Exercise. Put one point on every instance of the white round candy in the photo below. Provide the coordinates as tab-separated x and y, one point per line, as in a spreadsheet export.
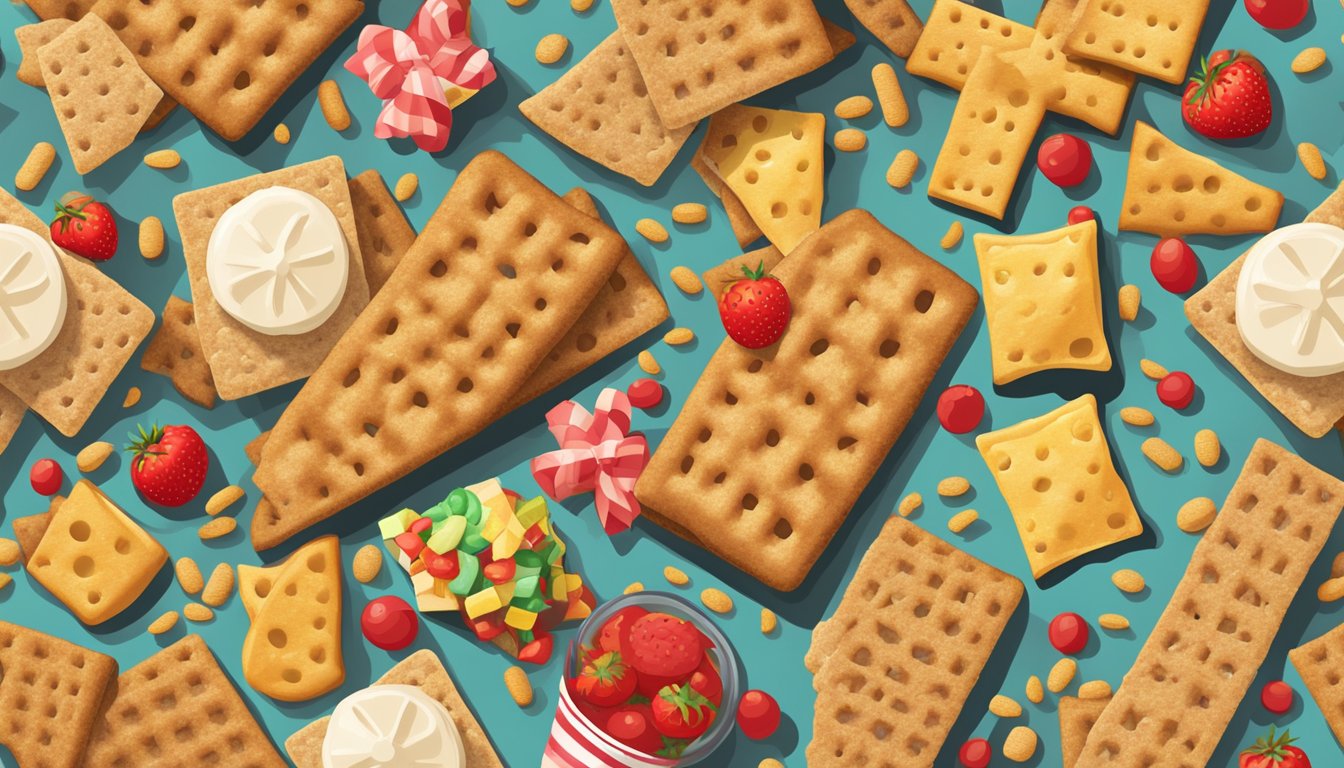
392	726
32	296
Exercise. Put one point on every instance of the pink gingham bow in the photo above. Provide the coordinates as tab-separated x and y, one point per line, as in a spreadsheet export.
597	453
404	70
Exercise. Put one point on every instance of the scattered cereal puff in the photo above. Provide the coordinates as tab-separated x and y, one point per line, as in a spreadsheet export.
1137	417
651	230
686	280
9	552
716	600
953	486
220	586
520	688
895	110
768	621
903	168
770	762
1020	744
1094	689
962	520
1061	674
678	336
164	623
909	504
1161	453
151	237
406	187
93	455
189	575
1208	448
1128	580
1196	514
850	140
1113	621
648	364
1309	60
223	499
953	236
689	213
281	133
580	6
517	3
551	48
368	563
132	397
163	159
217	528
635	586
1337	566
1330	590
332	101
197	612
35	168
854	107
1005	706
1129	302
676	576
1310	155
1152	370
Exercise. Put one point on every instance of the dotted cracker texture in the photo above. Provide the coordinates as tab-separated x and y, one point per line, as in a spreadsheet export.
895	664
1149	37
60	9
1319	664
1076	718
175	351
955	35
873	319
384	233
893	22
1192	672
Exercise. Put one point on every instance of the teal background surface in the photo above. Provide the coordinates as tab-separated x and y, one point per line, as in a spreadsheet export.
1307	109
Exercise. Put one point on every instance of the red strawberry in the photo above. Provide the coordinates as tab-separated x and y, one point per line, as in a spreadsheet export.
662	645
1273	752
169	465
755	310
1229	98
85	227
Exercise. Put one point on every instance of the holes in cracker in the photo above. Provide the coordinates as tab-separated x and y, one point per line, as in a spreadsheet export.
242	81
818	347
749	501
782	529
508	271
889	348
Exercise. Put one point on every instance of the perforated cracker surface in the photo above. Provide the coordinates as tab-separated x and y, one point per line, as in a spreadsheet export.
1095	93
501	272
893	22
699	56
744	228
175	351
1171	191
60	9
813	416
1150	37
227	61
1043	301
178	708
384	233
953	38
1205	650
905	647
1076	718
31	37
1320	664
50	693
601	109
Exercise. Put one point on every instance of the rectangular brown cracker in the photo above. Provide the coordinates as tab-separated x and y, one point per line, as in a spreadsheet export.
103	326
228	62
744	227
860	296
422	670
893	22
601	109
953	38
1320	663
179	708
1313	404
50	694
31	37
245	361
696	63
503	269
1150	37
894	665
1205	650
175	351
384	233
1076	718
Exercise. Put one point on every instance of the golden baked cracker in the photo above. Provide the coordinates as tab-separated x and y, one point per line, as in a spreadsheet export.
1043	301
1171	191
718	279
744	228
1095	93
31	37
93	557
292	651
423	670
953	38
245	361
176	708
695	63
228	63
602	110
1056	473
1151	37
30	529
841	39
916	625
1312	404
50	694
175	351
1318	664
384	233
1076	718
873	319
72	10
772	160
1205	650
254	447
893	22
994	123
101	97
503	269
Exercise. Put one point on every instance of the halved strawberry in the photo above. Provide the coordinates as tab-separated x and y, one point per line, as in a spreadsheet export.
663	646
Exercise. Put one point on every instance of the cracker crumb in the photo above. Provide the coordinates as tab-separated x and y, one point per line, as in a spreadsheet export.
679	336
850	140
406	187
1094	689
93	455
368	563
854	107
675	575
910	503
1004	706
1152	370
332	102
551	48
686	280
952	238
649	364
769	621
1129	302
519	687
1161	453
1128	580
1113	621
962	520
1311	158
1061	674
281	133
953	486
689	213
1137	417
651	230
163	159
151	237
1309	60
716	600
164	623
35	168
903	168
1020	744
1208	448
895	110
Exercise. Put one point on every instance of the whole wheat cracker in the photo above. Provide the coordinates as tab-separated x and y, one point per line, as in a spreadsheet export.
954	36
30	529
1312	404
245	361
697	59
175	351
228	62
384	233
72	10
718	278
893	22
50	694
841	39
103	326
31	37
1150	37
1193	670
1076	718
744	227
601	109
894	665
873	318
178	708
1318	664
393	383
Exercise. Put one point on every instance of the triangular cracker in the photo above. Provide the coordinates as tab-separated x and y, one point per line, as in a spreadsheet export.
744	229
31	38
893	22
175	352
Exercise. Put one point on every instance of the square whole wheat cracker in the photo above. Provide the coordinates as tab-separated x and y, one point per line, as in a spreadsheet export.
50	694
1312	403
1320	663
954	36
1149	37
719	278
813	415
929	615
245	361
422	670
228	62
31	37
698	57
179	708
101	96
601	109
744	227
1193	670
103	326
1171	191
1076	718
72	10
893	22
175	351
384	233
496	279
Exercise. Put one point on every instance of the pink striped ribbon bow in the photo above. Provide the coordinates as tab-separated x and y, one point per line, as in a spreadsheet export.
597	453
404	70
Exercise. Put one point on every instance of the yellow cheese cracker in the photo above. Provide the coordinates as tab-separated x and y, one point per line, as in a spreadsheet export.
1171	191
1043	301
1056	473
1150	37
292	651
953	38
93	558
772	160
1089	91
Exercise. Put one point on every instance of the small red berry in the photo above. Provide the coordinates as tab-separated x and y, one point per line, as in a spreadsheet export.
1174	264
644	393
960	408
758	715
975	753
1176	389
1080	213
46	477
1277	14
1068	633
1065	159
1277	696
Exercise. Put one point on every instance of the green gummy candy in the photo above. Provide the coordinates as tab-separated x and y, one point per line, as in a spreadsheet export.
468	575
457	501
448	535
